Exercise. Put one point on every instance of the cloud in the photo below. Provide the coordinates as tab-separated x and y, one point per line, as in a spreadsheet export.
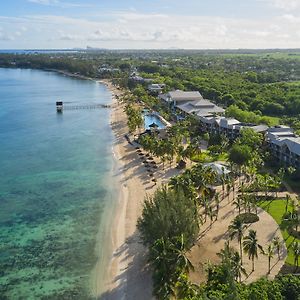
59	3
70	37
131	29
44	2
287	5
4	37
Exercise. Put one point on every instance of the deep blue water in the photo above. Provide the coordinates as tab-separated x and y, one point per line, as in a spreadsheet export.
55	184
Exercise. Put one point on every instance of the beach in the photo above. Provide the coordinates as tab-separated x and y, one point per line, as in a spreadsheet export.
127	276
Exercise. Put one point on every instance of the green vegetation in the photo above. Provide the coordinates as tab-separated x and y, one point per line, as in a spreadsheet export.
134	118
250	117
248	218
257	86
277	209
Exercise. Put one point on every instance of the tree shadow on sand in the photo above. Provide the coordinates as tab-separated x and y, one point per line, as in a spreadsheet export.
134	280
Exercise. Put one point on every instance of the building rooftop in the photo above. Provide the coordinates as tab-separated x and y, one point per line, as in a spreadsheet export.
292	143
179	95
218	168
202	107
226	122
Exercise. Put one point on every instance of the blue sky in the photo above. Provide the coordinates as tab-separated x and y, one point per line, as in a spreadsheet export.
194	24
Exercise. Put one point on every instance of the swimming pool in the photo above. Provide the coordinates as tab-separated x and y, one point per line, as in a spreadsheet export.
152	118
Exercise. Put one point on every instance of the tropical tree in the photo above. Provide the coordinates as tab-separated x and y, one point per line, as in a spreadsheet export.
251	246
236	230
164	209
287	201
277	245
238	203
231	264
296	253
217	202
269	252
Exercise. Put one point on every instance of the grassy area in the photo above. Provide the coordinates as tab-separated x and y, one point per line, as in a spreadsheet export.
272	121
276	208
221	157
202	157
206	157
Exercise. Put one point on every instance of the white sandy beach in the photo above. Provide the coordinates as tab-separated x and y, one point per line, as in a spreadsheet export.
127	276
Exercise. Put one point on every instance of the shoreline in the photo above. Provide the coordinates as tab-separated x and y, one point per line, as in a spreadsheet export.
127	276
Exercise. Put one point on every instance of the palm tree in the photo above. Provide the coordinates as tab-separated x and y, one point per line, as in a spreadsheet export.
270	254
277	245
238	204
228	188
250	246
217	201
211	213
236	230
239	270
182	261
287	201
205	205
296	252
231	262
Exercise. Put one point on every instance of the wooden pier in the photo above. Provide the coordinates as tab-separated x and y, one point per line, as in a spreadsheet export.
60	106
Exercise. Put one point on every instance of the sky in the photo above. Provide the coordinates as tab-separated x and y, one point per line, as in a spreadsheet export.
149	24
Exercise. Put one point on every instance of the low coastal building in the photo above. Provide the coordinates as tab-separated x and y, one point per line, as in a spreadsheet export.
228	126
284	145
178	97
283	142
200	108
156	88
190	103
135	77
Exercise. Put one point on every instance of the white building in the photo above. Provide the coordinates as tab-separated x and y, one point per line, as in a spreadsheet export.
285	145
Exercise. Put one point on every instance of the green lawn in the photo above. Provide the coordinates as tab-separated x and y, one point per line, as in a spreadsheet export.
276	208
202	157
206	157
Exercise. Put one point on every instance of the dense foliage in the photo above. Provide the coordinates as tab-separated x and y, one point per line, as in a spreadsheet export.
255	86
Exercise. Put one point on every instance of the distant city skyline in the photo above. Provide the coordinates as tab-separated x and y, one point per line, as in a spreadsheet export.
141	24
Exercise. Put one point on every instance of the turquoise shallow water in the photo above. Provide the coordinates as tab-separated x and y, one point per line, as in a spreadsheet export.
55	184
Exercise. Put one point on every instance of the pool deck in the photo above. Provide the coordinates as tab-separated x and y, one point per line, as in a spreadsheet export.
163	120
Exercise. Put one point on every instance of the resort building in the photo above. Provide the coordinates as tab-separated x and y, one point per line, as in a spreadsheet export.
190	103
135	77
178	97
227	126
283	142
156	88
200	108
284	145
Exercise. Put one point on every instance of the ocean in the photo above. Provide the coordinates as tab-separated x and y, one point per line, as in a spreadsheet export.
56	185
